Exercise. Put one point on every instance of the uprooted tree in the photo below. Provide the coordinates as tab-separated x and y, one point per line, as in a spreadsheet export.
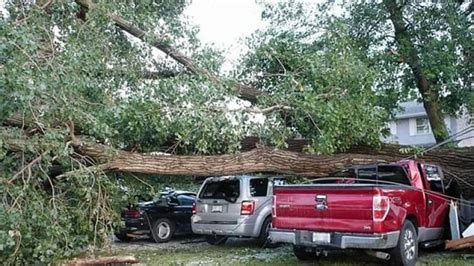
84	98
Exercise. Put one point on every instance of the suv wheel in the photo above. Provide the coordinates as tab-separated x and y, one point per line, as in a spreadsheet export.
216	240
406	251
162	230
262	240
302	253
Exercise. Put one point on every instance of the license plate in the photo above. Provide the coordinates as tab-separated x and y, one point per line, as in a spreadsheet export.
216	208
321	238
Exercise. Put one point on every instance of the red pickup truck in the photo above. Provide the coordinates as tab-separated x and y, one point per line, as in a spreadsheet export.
387	209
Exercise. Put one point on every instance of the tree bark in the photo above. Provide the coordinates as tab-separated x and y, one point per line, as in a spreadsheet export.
457	162
114	260
243	91
429	94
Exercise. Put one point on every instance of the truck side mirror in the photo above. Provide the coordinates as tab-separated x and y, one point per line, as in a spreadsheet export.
435	177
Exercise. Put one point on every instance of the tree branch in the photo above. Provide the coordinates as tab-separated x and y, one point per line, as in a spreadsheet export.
244	92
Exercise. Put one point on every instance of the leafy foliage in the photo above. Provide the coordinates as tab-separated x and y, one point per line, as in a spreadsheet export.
319	74
442	34
61	67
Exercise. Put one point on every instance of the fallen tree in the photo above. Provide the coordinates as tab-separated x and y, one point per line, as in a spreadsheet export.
457	162
62	187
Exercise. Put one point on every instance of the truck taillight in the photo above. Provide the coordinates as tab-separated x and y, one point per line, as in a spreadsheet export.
194	208
380	207
247	207
274	214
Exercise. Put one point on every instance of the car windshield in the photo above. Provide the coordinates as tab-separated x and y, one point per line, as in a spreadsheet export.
228	190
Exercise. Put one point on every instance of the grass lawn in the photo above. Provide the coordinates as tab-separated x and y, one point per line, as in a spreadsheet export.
244	252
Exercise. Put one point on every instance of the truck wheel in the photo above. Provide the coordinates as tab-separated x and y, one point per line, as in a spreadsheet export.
262	240
162	230
302	254
216	240
406	251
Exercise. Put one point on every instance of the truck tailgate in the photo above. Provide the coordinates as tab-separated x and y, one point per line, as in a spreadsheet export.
324	208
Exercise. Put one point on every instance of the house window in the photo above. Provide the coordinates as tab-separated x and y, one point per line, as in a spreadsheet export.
422	126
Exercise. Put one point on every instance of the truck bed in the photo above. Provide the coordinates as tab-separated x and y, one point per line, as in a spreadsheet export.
328	207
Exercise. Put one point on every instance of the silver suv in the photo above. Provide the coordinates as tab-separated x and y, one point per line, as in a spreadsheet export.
239	206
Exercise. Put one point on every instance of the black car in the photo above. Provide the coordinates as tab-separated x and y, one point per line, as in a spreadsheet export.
167	215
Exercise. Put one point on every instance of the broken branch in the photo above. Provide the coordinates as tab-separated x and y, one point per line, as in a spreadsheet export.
245	92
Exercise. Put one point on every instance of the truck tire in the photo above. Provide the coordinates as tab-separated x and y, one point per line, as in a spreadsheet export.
302	254
162	230
216	240
262	239
406	251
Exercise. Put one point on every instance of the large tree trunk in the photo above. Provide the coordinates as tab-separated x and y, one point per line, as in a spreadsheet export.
425	86
458	162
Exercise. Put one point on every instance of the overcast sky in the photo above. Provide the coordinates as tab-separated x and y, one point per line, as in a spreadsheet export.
226	23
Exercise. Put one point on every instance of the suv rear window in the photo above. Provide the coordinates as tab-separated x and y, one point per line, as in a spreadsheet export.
227	189
258	187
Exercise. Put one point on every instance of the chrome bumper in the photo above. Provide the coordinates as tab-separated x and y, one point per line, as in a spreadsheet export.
336	240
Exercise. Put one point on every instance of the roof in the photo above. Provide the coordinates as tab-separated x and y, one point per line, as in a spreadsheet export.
410	109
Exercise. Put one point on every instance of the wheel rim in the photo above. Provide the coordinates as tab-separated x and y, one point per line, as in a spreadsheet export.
269	226
163	230
409	244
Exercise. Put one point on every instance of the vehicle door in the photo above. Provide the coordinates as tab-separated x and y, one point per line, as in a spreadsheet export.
183	211
259	193
436	203
176	211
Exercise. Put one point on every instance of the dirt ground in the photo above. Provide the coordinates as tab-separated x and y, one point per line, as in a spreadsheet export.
195	251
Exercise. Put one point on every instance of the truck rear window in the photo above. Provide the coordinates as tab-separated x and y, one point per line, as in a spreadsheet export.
387	173
226	189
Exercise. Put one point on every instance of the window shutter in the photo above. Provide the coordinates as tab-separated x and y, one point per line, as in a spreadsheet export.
412	126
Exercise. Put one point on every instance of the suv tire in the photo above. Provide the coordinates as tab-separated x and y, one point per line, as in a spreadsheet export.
162	230
406	251
262	239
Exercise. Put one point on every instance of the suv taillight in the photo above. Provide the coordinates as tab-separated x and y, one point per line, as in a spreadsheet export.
194	208
247	207
380	207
